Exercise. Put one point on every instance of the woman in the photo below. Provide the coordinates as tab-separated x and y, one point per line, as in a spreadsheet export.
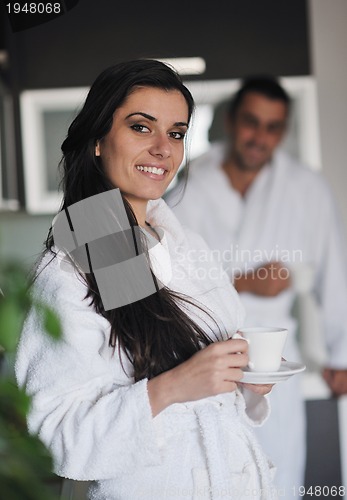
144	399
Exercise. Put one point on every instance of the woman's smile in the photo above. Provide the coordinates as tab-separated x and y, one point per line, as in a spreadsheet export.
157	173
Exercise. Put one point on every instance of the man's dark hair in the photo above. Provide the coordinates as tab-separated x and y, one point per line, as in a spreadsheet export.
266	85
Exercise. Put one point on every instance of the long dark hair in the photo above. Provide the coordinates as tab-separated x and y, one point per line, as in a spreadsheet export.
155	333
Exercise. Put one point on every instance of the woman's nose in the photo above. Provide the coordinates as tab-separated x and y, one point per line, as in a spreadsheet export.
161	146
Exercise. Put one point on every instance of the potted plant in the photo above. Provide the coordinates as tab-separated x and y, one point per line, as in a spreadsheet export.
25	463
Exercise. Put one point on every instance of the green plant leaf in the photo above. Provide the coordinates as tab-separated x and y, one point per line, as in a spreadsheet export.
11	322
50	319
14	402
25	463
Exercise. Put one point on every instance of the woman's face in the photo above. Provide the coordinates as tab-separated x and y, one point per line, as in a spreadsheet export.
145	146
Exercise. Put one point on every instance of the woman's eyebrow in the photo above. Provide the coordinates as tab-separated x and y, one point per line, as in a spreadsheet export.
181	124
153	119
145	115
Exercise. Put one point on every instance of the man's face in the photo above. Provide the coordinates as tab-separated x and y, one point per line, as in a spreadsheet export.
257	129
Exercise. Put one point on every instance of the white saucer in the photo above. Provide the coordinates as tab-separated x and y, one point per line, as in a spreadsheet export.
286	370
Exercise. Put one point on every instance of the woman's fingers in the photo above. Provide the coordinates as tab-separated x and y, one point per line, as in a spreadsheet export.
237	360
224	355
230	346
233	375
214	370
218	365
261	389
236	345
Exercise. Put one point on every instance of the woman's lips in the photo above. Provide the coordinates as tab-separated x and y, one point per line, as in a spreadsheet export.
155	173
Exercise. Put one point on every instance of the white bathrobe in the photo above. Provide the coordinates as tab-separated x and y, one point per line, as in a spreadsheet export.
97	422
288	214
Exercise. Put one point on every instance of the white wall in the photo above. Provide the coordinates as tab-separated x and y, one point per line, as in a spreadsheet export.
328	33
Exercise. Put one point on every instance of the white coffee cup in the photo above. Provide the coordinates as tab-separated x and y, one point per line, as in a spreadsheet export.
266	346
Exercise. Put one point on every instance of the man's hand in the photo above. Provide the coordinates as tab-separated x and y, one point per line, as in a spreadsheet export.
267	280
336	380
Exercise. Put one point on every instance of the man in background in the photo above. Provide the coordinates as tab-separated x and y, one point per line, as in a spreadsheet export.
273	222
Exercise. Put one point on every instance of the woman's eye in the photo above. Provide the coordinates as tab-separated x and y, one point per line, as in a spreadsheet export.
139	128
177	135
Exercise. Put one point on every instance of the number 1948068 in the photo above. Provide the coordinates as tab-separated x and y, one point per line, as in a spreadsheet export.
319	491
33	8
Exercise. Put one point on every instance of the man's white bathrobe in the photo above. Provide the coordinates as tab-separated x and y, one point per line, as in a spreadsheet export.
97	422
288	214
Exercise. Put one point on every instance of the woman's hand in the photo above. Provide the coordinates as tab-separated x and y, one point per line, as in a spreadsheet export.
260	389
214	370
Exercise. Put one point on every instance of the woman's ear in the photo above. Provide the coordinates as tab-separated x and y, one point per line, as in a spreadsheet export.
97	149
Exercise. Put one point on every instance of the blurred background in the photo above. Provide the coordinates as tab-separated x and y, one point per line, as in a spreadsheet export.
45	71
